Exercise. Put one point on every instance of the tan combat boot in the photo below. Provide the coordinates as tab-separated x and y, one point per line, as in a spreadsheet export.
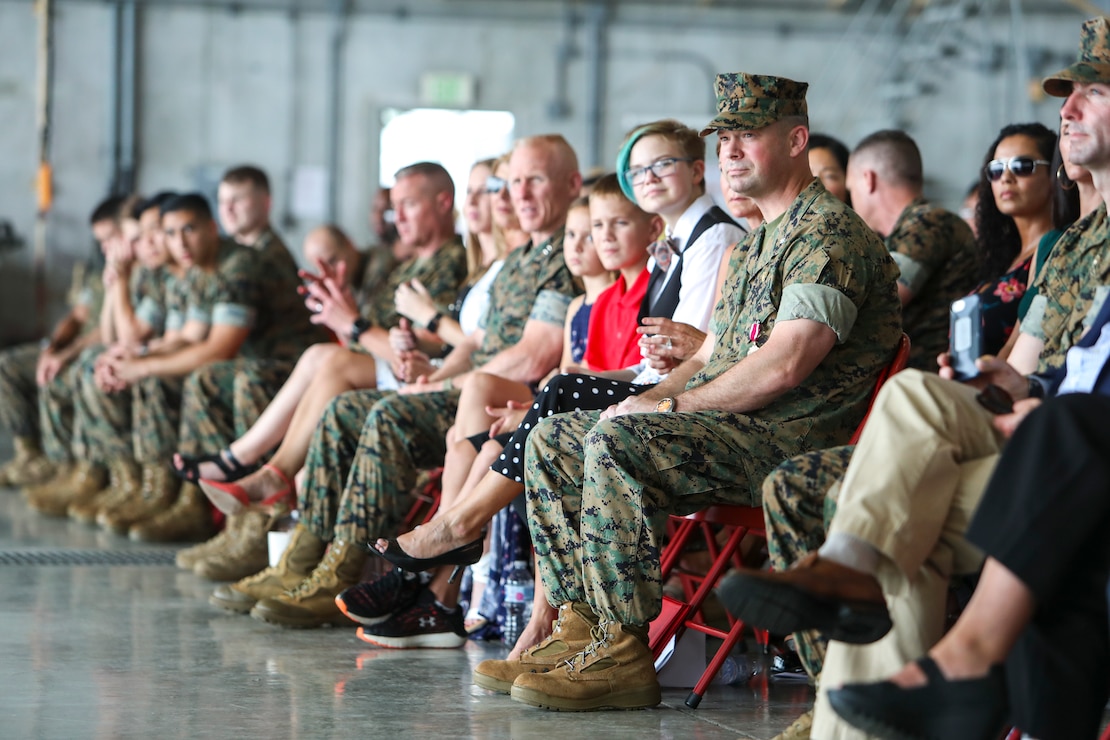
28	467
123	482
246	553
188	558
312	602
159	487
570	634
189	518
301	555
87	481
615	671
800	729
63	476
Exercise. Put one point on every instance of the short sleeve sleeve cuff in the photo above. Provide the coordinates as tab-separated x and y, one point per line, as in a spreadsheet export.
174	321
150	312
818	303
551	307
198	315
913	274
233	314
1033	323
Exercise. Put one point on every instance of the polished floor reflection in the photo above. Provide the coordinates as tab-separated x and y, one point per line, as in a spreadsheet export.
121	651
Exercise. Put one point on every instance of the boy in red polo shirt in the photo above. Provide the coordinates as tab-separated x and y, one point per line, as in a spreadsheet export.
621	233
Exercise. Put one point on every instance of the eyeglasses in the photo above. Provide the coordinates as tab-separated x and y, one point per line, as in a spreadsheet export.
660	168
495	184
1020	166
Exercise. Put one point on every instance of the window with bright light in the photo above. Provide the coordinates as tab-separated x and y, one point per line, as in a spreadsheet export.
454	138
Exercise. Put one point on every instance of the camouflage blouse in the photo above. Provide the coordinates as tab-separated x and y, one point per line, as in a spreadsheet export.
817	261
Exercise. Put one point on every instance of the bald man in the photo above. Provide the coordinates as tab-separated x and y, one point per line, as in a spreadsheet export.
367	272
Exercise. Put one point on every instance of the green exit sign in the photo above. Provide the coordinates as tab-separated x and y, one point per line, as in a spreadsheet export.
447	89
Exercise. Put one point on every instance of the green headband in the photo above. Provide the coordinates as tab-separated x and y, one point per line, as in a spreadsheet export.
623	156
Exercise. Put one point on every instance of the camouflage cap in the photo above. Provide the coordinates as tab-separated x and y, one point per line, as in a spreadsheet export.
1094	59
748	102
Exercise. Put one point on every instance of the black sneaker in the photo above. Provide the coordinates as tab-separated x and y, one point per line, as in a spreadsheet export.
787	666
371	602
424	624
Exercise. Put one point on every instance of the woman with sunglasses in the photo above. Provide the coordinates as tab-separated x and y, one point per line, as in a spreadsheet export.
1015	212
1077	199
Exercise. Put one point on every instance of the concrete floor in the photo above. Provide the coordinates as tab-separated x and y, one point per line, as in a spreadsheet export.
112	651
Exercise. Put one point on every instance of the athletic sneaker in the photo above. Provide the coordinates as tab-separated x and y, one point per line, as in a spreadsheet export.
374	601
424	624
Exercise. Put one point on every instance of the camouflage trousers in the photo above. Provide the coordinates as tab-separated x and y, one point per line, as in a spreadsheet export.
330	456
155	416
599	493
221	401
799	501
104	420
19	408
56	403
403	435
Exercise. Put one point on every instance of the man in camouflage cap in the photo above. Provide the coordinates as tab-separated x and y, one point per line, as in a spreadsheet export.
1073	282
1093	65
808	317
895	515
748	102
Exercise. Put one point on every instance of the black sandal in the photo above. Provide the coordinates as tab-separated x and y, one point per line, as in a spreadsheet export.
225	460
460	557
970	709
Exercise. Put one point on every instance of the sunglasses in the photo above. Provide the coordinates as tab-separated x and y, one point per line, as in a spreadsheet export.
1020	166
495	184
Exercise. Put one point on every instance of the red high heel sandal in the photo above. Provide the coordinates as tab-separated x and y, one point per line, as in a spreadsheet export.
231	498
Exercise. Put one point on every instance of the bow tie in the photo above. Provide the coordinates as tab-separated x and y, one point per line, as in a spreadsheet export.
662	250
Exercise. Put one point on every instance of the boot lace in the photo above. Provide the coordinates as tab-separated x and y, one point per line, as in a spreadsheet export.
324	570
599	635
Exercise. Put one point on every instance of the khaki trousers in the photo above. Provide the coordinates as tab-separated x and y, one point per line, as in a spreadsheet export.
912	485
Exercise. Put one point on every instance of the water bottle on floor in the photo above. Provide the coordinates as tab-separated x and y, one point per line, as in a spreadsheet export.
518	592
738	669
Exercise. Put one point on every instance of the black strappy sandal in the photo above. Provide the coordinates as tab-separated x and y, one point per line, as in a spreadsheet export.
225	460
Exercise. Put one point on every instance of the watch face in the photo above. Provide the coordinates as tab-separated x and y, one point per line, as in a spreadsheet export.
665	405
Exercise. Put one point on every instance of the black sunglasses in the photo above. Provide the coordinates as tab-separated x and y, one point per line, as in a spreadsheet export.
1020	166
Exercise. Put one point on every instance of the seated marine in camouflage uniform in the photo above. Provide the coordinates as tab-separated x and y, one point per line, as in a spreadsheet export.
358	316
934	249
808	317
426	200
216	305
368	446
29	368
279	331
134	284
803	497
102	419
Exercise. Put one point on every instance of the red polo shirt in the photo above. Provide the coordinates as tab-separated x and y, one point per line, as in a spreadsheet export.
612	342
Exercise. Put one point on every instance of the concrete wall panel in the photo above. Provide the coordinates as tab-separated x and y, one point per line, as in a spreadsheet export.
218	87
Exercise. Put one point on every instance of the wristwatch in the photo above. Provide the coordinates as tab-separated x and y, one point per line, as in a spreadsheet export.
665	405
1036	390
360	325
433	323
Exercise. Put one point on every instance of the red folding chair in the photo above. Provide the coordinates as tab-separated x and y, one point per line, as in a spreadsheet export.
739	521
425	502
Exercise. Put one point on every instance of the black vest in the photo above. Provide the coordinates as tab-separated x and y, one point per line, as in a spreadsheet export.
667	301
